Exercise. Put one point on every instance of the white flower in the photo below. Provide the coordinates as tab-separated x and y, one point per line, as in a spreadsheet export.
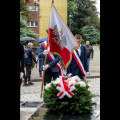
76	78
56	82
72	82
82	84
48	86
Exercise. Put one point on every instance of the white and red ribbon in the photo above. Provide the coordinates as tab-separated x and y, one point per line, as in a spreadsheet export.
65	89
51	57
77	59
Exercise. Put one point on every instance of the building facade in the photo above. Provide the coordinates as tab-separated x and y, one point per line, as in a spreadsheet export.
40	15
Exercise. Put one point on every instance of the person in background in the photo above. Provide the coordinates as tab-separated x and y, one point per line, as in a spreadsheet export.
21	62
73	69
28	57
40	62
89	50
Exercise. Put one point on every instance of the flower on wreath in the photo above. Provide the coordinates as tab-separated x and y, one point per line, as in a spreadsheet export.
48	86
57	81
82	84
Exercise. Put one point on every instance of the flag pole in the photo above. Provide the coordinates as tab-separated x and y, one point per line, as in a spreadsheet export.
45	62
52	2
44	70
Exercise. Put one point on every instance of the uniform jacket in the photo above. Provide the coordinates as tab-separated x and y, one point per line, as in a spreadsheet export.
40	58
73	67
28	56
48	61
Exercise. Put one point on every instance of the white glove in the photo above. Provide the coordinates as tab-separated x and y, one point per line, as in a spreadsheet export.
21	75
69	74
45	52
45	67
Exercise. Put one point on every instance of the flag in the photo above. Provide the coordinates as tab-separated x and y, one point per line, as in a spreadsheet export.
61	40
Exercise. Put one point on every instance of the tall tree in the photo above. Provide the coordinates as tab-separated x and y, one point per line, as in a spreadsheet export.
90	34
23	8
84	12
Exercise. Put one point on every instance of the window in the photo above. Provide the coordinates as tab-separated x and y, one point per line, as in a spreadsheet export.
28	23
32	8
36	23
32	24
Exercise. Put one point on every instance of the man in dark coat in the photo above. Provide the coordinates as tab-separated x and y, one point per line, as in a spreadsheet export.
50	69
89	50
40	63
21	62
73	69
28	57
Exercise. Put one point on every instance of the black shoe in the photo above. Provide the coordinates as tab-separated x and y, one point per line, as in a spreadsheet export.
25	84
30	83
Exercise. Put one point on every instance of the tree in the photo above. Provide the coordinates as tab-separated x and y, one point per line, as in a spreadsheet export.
90	34
84	13
24	13
23	8
26	32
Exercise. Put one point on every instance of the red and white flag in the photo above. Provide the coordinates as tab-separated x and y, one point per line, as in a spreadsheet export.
61	40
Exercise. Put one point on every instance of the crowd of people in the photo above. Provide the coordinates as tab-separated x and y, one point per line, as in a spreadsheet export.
85	54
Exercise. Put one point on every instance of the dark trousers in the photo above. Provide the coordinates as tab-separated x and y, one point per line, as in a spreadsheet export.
28	73
88	63
79	74
49	74
40	66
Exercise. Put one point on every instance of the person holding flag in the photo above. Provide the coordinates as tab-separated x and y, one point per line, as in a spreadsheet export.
51	68
62	43
78	65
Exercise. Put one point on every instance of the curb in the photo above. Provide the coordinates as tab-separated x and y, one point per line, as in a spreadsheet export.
40	79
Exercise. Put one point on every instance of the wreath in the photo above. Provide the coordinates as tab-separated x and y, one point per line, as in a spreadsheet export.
68	97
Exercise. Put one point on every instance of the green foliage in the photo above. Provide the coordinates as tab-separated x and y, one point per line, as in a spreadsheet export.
24	32
27	33
84	13
23	8
80	103
90	34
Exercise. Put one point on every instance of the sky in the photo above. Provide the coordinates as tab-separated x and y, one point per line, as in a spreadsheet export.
98	6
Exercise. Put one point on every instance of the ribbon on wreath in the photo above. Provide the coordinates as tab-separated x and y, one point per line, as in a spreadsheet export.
65	89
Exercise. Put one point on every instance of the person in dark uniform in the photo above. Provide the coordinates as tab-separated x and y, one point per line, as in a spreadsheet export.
40	63
21	62
51	71
28	57
73	69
